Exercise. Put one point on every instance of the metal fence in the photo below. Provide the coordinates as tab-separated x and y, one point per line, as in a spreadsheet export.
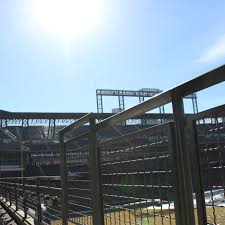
137	177
153	176
79	183
36	200
209	157
172	173
76	172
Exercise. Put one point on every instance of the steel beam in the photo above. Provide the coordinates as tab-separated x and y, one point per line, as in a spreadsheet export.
183	165
63	173
96	186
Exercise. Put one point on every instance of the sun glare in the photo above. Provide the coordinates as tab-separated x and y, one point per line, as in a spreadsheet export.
68	18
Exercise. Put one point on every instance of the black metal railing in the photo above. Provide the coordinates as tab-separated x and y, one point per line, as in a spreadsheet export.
172	173
147	177
36	200
209	154
137	177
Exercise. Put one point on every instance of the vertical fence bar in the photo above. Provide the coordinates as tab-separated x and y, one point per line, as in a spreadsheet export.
175	176
39	216
96	186
184	189
197	177
63	171
0	188
5	190
16	196
10	194
24	198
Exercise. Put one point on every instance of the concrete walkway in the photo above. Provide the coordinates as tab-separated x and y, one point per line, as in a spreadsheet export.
5	218
10	216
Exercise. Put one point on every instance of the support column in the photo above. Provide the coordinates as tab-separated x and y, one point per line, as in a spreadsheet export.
184	189
96	184
63	172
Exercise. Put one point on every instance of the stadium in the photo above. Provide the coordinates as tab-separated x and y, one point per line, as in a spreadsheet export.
30	141
112	112
135	160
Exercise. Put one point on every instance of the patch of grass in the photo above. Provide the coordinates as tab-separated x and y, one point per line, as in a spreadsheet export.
132	217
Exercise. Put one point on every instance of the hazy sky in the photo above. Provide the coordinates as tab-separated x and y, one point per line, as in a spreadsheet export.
138	44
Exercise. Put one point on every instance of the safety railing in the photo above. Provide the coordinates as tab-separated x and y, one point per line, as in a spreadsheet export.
172	173
137	177
36	200
80	176
208	153
145	177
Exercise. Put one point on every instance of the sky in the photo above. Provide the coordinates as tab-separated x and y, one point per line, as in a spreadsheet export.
136	44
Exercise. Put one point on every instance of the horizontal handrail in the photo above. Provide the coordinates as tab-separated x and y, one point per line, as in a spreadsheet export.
202	82
83	135
152	103
139	132
199	83
216	111
67	116
78	123
32	178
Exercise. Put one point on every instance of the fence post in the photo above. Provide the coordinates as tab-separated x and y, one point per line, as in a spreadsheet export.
197	177
63	171
5	190
10	194
16	196
96	186
39	217
175	177
24	199
184	189
1	189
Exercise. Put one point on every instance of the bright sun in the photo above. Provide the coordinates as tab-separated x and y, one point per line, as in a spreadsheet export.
68	18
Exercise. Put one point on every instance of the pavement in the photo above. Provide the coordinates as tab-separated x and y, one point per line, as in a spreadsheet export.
5	219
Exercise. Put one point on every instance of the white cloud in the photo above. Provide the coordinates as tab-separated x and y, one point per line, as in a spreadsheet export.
215	52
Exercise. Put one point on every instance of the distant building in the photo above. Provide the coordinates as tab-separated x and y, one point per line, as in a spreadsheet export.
116	110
